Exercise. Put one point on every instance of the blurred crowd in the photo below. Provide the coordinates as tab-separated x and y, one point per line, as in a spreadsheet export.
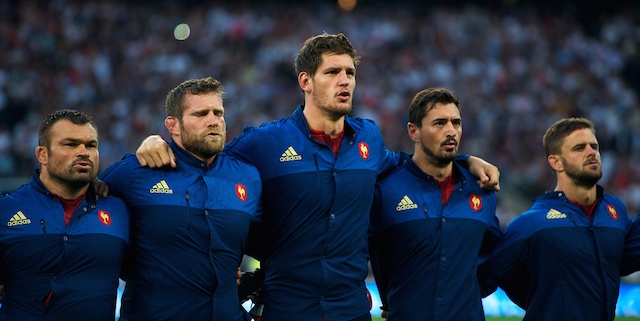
516	70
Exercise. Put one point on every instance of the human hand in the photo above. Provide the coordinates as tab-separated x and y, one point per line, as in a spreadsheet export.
154	152
384	314
488	175
102	189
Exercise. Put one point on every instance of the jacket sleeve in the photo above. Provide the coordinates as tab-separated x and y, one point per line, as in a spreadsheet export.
118	175
506	265
631	255
379	266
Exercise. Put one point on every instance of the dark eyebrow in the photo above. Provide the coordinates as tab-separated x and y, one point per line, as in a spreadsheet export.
79	141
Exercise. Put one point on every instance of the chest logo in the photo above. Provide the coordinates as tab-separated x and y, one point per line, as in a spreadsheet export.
406	204
241	192
290	155
105	217
18	219
475	202
161	188
363	149
612	212
555	214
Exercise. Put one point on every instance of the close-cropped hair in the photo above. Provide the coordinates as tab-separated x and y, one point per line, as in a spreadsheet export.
553	138
174	103
426	100
74	116
310	55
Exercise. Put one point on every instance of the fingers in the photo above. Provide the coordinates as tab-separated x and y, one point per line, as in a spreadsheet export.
154	152
489	184
102	189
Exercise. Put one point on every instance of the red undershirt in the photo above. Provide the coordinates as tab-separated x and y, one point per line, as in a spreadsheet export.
334	143
587	209
446	188
69	207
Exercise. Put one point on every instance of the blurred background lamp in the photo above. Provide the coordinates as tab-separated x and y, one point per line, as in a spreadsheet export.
182	31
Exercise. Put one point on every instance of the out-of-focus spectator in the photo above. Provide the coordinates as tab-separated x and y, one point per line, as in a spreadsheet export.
518	69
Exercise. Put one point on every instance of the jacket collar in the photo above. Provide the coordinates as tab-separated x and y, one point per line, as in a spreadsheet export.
301	122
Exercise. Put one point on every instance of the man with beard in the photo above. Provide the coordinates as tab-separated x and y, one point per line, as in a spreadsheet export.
61	247
318	170
561	259
430	221
190	223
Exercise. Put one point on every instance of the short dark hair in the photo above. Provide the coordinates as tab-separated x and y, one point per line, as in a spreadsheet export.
174	103
310	55
553	138
74	116
426	100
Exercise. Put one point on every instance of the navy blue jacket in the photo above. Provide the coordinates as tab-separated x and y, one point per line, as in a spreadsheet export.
316	215
78	264
189	231
423	254
631	257
558	265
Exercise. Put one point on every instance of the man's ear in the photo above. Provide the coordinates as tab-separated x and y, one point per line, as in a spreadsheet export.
413	131
304	81
173	125
555	161
42	155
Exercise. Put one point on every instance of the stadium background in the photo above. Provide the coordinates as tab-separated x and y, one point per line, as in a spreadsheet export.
516	65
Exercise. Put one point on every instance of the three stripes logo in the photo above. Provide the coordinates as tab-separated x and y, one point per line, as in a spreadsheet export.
290	155
18	219
555	214
406	204
161	188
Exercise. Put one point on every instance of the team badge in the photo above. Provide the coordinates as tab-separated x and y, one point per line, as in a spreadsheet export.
241	192
105	217
612	212
475	202
363	148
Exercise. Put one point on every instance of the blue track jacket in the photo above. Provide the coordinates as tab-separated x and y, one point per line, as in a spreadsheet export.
558	265
316	216
423	254
78	264
189	230
631	257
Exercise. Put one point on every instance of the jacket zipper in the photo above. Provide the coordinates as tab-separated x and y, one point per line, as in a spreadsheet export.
186	196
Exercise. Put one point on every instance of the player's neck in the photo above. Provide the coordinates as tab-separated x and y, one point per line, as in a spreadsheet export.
579	194
439	171
330	124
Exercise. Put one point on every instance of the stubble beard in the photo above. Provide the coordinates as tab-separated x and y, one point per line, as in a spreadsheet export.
72	177
201	146
441	159
582	178
334	110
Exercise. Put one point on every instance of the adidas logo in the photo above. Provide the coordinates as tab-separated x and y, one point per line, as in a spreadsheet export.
161	188
290	155
406	204
555	214
18	219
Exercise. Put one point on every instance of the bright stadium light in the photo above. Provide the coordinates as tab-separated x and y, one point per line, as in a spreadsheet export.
182	31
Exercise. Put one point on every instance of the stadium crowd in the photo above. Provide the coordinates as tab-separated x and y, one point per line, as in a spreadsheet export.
517	69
